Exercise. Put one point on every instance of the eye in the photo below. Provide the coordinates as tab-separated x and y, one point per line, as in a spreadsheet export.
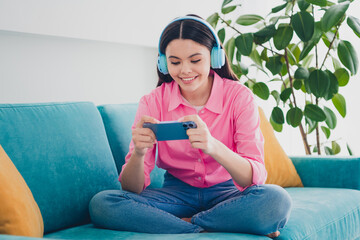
175	63
195	61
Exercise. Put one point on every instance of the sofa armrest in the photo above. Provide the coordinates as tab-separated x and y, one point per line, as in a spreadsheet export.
328	171
11	237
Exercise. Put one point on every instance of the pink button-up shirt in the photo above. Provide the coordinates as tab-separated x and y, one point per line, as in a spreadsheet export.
232	117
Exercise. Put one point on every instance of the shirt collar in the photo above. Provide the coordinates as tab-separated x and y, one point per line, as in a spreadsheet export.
214	103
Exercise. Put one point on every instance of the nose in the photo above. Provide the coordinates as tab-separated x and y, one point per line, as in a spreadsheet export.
185	67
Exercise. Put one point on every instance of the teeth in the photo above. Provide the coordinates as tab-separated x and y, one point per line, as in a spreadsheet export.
188	79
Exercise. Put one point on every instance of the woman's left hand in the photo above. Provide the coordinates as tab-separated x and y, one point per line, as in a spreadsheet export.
200	137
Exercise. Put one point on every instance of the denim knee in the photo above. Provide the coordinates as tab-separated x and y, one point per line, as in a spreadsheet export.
101	207
279	206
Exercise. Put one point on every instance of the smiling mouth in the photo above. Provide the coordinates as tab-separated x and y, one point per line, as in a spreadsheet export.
188	79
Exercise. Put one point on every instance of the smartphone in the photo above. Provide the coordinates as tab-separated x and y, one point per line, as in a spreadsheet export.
170	130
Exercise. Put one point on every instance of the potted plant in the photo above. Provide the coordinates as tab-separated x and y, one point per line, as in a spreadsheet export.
299	49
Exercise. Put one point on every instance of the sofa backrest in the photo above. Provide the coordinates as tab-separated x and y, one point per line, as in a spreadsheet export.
62	151
118	119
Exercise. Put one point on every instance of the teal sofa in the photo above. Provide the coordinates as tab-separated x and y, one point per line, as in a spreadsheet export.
68	152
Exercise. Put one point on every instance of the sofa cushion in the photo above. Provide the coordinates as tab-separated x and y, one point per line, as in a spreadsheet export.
62	152
118	119
280	168
19	213
323	213
89	232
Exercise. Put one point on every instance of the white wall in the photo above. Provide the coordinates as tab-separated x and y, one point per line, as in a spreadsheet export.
38	68
105	51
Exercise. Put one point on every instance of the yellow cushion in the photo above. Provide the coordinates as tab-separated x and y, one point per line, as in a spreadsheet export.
281	170
19	213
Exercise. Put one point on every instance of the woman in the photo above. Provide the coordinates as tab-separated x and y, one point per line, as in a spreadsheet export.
214	182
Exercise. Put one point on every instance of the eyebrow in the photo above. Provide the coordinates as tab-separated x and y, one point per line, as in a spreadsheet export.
193	55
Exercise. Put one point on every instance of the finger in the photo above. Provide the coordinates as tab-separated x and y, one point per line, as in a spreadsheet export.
141	132
145	119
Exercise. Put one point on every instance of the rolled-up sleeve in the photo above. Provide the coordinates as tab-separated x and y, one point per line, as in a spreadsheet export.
149	160
248	138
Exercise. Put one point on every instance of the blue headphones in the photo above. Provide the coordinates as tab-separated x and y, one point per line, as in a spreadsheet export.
217	53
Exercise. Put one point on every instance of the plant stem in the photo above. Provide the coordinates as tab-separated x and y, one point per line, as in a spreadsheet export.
330	46
303	134
224	21
317	133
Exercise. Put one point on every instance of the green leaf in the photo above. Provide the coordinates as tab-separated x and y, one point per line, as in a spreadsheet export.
319	83
297	84
326	131
349	149
304	25
354	24
294	48
331	119
236	69
340	104
276	96
264	55
283	36
303	5
313	41
321	3
335	147
301	73
244	69
312	125
244	43
284	70
314	112
261	90
255	56
333	15
221	34
294	117
285	94
227	10
230	49
292	59
226	2
336	63
274	64
342	76
348	56
238	56
213	19
328	151
307	60
265	34
333	87
248	19
277	127
278	8
277	115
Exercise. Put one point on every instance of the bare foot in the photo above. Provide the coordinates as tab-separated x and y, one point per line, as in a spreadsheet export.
187	220
274	234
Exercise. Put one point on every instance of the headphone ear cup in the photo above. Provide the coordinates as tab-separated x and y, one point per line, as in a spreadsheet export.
162	64
217	57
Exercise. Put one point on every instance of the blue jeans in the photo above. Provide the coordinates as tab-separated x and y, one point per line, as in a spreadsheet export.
260	209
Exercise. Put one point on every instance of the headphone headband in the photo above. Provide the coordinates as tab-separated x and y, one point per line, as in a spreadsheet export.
217	40
217	53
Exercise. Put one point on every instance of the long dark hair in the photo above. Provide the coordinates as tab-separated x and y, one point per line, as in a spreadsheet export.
198	32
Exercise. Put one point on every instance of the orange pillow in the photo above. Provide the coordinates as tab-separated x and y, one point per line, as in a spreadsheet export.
281	170
19	213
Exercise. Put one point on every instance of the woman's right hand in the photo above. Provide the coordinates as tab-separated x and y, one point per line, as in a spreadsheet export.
143	138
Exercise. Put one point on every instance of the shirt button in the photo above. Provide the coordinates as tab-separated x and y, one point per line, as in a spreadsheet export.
199	178
199	160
